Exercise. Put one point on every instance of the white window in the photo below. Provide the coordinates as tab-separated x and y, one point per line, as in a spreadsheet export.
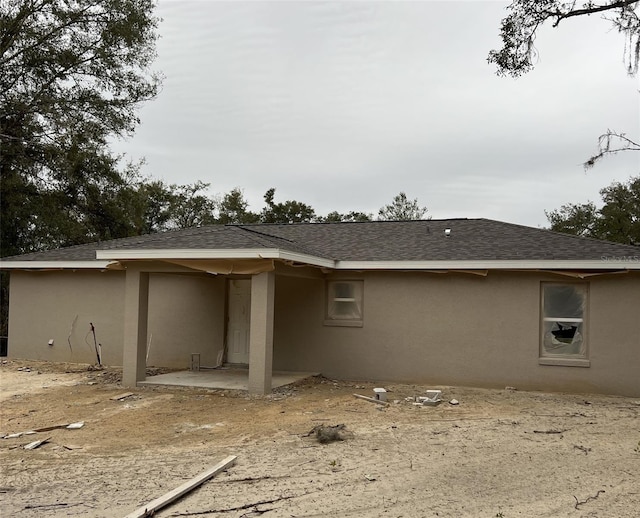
564	310
344	303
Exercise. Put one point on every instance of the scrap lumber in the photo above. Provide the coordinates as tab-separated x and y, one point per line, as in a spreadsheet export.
68	426
371	400
53	427
150	508
36	444
120	397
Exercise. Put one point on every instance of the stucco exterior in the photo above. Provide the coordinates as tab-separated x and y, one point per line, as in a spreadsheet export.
59	306
186	315
460	329
436	328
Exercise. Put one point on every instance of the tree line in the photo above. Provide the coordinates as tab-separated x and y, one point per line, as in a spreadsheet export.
84	211
617	219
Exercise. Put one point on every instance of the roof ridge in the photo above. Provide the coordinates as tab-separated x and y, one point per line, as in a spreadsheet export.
270	238
377	221
252	231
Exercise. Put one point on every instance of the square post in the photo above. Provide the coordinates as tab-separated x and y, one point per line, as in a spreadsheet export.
261	333
136	310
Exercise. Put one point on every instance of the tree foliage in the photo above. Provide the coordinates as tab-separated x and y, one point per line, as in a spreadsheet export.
578	219
617	220
518	54
288	212
72	75
519	29
234	208
402	209
353	216
190	207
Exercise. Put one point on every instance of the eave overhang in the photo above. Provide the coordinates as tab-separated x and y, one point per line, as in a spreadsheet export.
202	254
108	258
512	264
54	265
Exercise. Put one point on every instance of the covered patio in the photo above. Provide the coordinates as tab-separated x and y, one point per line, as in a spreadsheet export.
258	379
231	378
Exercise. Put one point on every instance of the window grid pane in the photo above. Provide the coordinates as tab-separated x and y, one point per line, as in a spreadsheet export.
563	312
344	300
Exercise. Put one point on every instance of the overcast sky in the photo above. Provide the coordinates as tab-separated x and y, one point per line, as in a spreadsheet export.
342	105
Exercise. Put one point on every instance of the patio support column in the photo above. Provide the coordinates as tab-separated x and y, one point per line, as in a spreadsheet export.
261	333
136	309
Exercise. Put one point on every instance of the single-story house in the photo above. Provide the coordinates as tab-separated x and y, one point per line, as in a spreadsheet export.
470	302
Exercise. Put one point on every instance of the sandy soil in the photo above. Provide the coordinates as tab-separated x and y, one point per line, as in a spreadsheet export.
499	453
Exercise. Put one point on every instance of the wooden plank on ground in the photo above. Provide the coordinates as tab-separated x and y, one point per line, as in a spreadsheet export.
150	508
121	396
371	400
49	428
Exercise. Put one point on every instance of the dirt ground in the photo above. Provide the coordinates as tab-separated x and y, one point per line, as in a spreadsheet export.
498	453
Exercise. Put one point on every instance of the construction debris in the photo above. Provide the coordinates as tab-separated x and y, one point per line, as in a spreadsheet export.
68	426
454	402
433	398
120	397
18	434
36	444
371	400
326	433
380	394
150	508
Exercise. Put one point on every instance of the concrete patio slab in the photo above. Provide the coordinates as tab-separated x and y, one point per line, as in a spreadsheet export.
222	378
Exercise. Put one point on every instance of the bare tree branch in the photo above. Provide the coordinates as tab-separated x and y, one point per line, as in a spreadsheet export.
611	143
589	10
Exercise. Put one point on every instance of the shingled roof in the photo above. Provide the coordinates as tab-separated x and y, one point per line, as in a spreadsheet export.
424	240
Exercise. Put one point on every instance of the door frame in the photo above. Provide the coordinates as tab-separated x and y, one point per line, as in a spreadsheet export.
244	323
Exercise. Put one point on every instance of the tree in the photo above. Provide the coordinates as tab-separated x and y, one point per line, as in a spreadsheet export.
402	209
152	201
72	75
620	214
519	28
288	212
518	53
189	207
576	219
618	220
233	208
354	216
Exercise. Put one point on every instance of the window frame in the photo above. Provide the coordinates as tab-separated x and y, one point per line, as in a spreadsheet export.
580	359
358	299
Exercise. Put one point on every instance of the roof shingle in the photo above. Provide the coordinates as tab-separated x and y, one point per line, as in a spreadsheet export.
424	240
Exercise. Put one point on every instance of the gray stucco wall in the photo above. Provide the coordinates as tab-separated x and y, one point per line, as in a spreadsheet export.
418	327
59	305
186	315
459	329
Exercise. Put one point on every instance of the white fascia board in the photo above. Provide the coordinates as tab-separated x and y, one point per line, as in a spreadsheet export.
53	265
219	253
188	253
592	264
307	259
